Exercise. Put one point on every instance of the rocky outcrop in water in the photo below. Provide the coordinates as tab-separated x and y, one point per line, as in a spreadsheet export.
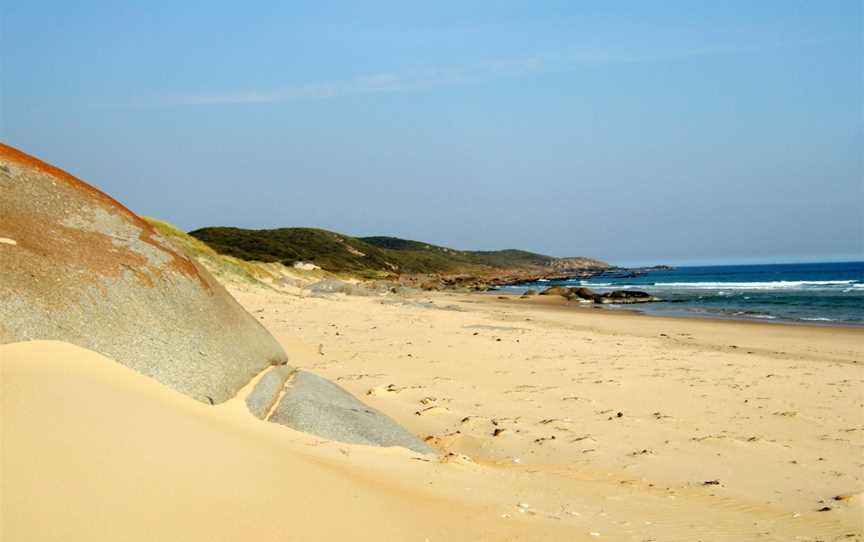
587	295
626	296
554	290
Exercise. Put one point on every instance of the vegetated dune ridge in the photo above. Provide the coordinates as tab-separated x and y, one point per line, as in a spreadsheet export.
389	256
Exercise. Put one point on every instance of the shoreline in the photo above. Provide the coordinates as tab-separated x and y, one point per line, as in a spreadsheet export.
634	308
564	306
764	338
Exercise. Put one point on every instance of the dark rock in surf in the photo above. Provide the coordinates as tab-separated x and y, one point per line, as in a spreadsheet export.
626	296
554	290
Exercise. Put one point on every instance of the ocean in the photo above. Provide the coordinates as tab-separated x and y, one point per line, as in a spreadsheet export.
813	293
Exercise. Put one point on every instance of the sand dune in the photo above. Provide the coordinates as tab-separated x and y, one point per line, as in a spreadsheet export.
95	451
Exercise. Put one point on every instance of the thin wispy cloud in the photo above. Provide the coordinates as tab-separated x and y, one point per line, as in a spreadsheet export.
442	77
389	82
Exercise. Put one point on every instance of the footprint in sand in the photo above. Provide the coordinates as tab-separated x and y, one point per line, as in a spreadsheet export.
384	390
477	419
360	376
551	420
643	451
457	458
432	410
480	425
389	389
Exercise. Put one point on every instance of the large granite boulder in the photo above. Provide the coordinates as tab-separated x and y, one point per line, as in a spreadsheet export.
79	267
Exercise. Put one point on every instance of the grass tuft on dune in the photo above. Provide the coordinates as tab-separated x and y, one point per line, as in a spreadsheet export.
228	267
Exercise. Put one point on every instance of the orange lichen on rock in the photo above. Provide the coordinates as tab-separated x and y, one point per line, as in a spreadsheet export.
179	262
31	162
82	268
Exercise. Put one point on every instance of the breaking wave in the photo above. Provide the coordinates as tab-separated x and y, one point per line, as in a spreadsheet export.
774	285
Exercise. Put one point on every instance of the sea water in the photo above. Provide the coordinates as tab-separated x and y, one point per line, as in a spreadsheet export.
827	293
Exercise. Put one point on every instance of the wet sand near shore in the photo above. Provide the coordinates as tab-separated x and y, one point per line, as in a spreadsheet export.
839	343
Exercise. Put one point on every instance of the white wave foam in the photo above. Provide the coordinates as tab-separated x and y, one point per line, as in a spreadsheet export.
819	319
775	285
750	314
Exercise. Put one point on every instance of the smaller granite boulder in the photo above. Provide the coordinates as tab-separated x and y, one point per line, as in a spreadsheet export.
315	405
266	391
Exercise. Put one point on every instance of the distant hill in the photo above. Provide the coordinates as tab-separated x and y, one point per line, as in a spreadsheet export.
336	252
503	259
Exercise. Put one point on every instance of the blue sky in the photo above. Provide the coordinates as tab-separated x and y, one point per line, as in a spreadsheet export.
637	132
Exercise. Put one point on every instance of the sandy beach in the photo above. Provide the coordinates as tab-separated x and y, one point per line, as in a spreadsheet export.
654	426
552	424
